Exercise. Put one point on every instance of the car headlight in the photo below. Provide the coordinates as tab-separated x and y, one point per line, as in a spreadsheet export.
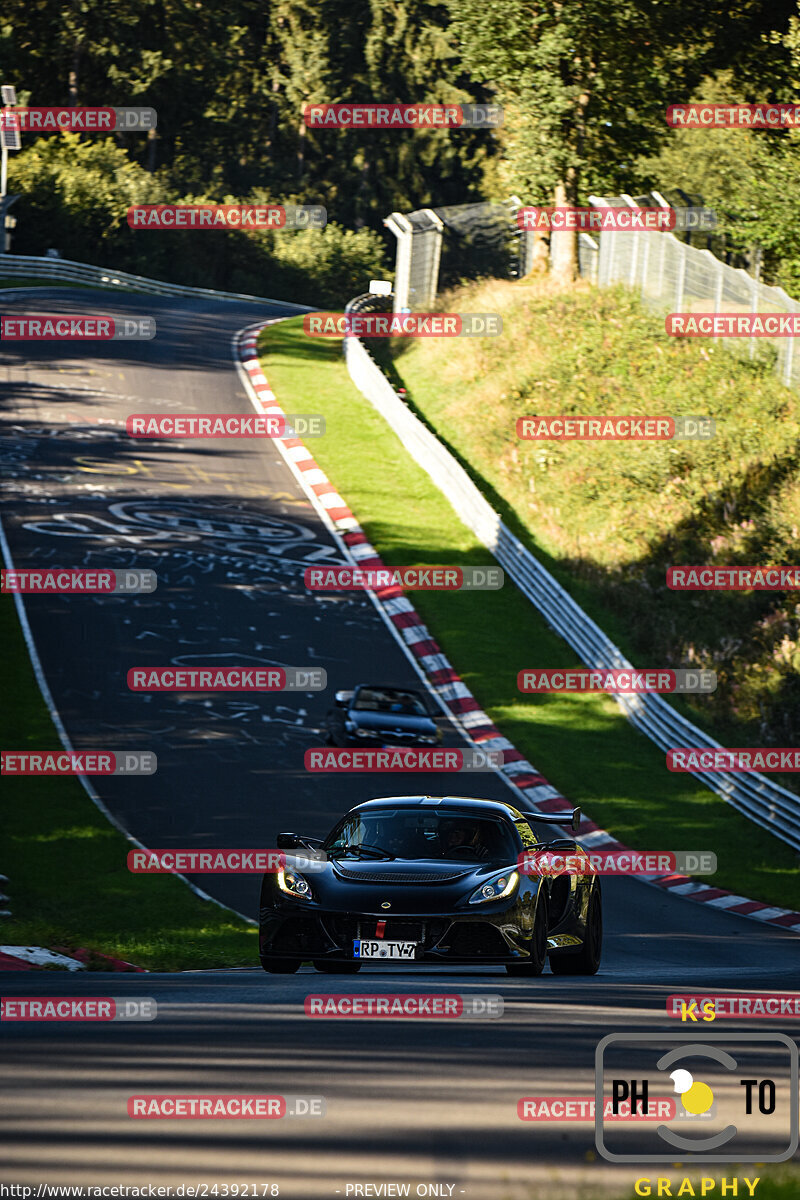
495	889
293	884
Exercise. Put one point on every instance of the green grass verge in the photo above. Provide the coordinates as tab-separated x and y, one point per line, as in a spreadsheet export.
66	865
582	744
608	518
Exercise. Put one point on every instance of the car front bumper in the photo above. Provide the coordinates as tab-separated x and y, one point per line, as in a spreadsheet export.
497	937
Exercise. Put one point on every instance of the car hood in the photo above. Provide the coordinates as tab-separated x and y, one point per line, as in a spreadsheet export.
389	721
408	886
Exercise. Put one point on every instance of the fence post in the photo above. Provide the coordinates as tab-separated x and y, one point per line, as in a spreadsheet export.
681	276
606	240
645	261
718	289
432	282
756	287
788	354
401	227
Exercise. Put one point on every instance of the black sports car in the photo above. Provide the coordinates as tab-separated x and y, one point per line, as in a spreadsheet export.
418	879
377	715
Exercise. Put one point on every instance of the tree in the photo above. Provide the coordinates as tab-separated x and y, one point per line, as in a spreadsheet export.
585	83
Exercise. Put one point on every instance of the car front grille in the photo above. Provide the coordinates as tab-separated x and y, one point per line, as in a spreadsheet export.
476	939
367	875
344	929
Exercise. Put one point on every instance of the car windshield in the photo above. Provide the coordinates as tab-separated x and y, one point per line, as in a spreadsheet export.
389	700
410	834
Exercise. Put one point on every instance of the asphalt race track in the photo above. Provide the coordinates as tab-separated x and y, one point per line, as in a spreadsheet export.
229	533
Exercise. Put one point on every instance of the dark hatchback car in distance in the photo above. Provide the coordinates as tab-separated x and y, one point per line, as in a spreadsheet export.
381	715
420	879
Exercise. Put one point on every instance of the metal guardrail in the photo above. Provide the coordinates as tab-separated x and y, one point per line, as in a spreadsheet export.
767	804
63	270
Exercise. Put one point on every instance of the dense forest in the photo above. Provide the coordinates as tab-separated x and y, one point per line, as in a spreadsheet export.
584	86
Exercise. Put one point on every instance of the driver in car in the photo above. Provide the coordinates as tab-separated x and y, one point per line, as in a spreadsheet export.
461	834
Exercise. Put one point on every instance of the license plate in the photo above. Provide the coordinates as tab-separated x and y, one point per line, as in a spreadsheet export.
365	948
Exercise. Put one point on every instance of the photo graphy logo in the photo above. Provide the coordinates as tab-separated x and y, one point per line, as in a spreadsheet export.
737	1093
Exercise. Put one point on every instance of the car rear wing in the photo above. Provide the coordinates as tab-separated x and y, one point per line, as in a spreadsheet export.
570	819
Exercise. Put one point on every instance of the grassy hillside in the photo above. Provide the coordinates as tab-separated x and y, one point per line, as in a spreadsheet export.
582	743
609	517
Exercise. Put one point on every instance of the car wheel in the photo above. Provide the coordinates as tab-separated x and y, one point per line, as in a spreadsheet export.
329	967
535	964
281	966
587	960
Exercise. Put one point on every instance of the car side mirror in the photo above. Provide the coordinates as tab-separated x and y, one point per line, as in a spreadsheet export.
343	698
566	845
288	841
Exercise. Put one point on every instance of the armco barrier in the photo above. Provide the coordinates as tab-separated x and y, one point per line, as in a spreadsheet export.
62	270
764	802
